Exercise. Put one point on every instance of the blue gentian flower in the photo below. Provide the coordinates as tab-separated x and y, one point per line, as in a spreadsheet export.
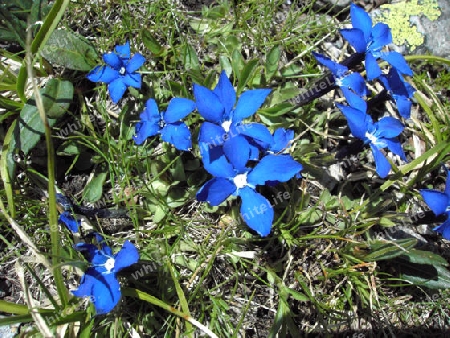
235	178
343	78
69	221
119	72
399	90
370	40
167	124
439	203
100	280
378	135
224	118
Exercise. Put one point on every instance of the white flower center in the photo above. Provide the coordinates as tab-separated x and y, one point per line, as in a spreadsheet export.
372	138
109	264
240	180
338	82
122	71
226	125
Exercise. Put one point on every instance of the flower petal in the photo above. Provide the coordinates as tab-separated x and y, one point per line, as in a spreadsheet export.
381	163
395	146
215	161
178	109
355	82
372	68
436	200
444	229
248	103
103	74
389	127
215	191
398	62
281	139
132	80
69	221
361	20
144	130
355	38
338	70
151	112
177	134
237	150
123	51
256	132
403	105
127	256
381	36
357	120
208	104
116	90
274	168
256	211
135	63
113	60
226	93
212	134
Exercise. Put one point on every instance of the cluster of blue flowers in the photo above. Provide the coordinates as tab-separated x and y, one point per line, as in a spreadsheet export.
369	42
240	155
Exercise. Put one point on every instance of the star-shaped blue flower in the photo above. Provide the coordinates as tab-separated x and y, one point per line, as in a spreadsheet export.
378	135
235	178
439	203
168	123
119	72
399	90
100	280
224	115
370	40
343	78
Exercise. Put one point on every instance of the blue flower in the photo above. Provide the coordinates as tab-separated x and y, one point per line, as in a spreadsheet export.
370	40
235	178
69	221
378	135
282	138
100	280
119	71
167	124
223	117
399	90
439	203
342	77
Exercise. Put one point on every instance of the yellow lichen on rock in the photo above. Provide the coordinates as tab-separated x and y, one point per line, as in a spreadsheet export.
397	16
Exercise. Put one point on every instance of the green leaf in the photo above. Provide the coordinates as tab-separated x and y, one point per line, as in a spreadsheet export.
151	43
278	110
190	59
57	97
14	308
272	60
29	127
93	190
381	250
425	269
246	74
237	62
67	49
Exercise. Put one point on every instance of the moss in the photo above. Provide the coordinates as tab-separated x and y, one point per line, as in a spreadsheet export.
397	16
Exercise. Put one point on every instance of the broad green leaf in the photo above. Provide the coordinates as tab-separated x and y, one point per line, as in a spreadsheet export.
57	97
29	127
246	74
272	60
151	43
67	49
93	190
424	268
237	62
382	250
190	59
278	110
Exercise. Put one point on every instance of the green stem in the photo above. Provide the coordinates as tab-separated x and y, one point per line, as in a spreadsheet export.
423	57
